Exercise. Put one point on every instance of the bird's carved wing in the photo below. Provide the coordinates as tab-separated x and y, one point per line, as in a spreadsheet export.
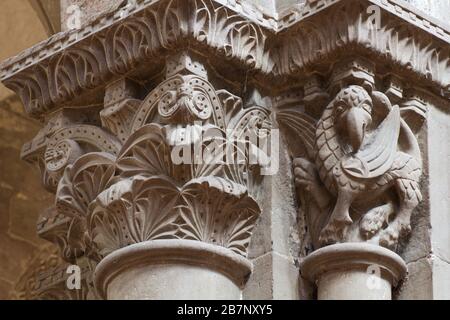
377	155
304	128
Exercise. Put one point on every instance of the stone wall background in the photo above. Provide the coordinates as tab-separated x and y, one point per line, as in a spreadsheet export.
21	196
276	244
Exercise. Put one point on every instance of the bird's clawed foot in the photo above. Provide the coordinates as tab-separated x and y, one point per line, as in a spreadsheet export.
375	220
389	237
305	173
335	230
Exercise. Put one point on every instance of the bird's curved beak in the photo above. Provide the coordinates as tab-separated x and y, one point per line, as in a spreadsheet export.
356	121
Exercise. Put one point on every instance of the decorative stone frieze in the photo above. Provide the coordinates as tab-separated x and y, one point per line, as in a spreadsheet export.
56	71
160	121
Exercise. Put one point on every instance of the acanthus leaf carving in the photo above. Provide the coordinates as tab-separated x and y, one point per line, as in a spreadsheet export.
58	70
145	153
139	209
358	163
83	182
132	211
218	211
143	193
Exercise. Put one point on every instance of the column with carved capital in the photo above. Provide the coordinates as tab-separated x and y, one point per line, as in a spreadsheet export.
358	178
156	170
162	192
174	216
159	123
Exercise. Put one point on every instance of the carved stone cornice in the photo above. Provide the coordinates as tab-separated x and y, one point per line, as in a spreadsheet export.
63	68
137	104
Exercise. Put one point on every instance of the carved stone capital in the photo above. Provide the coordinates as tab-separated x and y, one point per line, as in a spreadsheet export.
171	165
358	174
74	67
157	115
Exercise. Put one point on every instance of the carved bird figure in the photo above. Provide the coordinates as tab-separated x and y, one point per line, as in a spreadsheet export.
355	161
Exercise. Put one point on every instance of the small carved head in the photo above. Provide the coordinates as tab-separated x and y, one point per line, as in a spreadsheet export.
185	105
185	90
353	114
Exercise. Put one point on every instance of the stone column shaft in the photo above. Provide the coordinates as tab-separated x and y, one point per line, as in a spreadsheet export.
137	100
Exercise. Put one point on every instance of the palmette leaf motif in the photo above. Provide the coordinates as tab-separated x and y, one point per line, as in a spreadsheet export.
222	28
146	189
134	210
139	209
83	182
145	153
218	211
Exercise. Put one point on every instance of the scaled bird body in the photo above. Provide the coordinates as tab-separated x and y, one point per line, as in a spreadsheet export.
356	164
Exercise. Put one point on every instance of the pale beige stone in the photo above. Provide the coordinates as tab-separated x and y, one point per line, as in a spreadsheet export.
360	103
354	271
172	269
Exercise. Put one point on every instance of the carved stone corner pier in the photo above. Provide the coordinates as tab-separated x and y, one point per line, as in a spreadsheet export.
137	103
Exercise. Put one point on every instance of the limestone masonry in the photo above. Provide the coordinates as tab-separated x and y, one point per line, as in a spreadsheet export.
229	149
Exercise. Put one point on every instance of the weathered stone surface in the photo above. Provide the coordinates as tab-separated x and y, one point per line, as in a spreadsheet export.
276	241
6	192
438	9
127	97
14	255
277	229
439	179
441	278
260	284
418	284
88	10
274	277
5	288
286	278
